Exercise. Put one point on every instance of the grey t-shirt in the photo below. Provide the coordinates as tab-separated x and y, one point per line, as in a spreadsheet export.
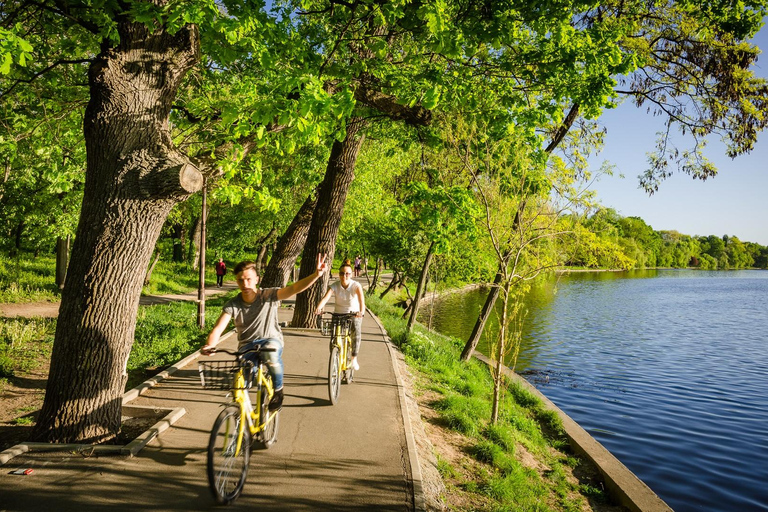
258	319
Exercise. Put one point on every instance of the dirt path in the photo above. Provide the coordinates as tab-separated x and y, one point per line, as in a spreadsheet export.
51	309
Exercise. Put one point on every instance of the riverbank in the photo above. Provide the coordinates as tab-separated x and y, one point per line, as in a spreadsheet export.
522	462
660	366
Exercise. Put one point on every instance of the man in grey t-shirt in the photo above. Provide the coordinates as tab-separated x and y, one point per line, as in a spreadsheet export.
254	311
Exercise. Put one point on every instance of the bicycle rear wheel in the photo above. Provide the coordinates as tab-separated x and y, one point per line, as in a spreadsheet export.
228	466
269	434
334	376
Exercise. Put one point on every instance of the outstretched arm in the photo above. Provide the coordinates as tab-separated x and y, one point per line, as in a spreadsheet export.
215	336
319	310
302	284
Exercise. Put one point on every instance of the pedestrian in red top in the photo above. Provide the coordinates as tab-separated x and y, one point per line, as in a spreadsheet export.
221	269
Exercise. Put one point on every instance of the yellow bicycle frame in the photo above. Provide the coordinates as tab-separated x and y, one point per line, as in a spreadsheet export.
342	340
248	414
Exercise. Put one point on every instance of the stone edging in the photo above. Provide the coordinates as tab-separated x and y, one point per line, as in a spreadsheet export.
621	484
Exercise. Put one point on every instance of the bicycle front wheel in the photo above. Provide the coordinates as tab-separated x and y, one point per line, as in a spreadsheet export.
334	376
272	419
228	459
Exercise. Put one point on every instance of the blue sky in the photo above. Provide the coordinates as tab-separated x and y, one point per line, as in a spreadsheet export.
734	203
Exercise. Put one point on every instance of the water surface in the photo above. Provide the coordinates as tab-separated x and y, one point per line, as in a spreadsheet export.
667	369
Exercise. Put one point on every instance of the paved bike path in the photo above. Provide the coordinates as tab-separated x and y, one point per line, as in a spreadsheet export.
348	457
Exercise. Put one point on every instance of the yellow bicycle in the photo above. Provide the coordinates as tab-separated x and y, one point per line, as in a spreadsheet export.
340	362
229	447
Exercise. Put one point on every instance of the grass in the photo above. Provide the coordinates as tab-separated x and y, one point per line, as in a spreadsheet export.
170	278
166	333
27	279
23	343
503	479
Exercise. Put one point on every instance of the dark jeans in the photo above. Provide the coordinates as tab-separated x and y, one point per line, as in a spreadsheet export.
219	280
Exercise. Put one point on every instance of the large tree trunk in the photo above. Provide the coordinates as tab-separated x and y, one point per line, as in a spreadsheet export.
290	246
62	259
420	287
134	176
326	219
264	244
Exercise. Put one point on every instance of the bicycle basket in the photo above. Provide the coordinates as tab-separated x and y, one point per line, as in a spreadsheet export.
217	374
342	321
326	327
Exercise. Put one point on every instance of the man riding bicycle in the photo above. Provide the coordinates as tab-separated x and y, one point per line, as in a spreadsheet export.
254	311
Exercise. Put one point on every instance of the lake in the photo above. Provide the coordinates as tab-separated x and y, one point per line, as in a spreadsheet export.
667	369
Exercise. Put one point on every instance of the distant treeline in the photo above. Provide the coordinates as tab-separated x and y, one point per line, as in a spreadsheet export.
608	240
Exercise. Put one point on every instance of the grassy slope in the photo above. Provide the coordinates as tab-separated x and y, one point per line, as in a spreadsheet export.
522	462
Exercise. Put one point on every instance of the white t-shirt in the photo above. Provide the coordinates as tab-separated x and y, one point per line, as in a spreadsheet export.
346	299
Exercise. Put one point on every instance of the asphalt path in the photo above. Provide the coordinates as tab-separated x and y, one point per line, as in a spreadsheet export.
348	457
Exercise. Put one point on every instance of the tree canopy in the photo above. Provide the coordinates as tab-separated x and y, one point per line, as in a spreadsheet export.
129	107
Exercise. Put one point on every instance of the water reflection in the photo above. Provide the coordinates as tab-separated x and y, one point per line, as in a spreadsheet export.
666	368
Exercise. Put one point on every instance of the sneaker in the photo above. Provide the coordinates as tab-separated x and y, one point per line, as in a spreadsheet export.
277	401
355	366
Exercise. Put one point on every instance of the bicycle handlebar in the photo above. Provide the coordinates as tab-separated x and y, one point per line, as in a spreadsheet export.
240	352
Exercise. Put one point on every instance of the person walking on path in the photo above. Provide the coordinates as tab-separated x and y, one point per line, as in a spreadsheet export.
357	265
221	269
255	312
349	299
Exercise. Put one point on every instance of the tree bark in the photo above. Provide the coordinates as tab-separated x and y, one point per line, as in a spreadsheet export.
397	279
62	259
420	287
290	246
151	269
264	244
477	331
326	219
375	282
134	176
178	242
193	253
